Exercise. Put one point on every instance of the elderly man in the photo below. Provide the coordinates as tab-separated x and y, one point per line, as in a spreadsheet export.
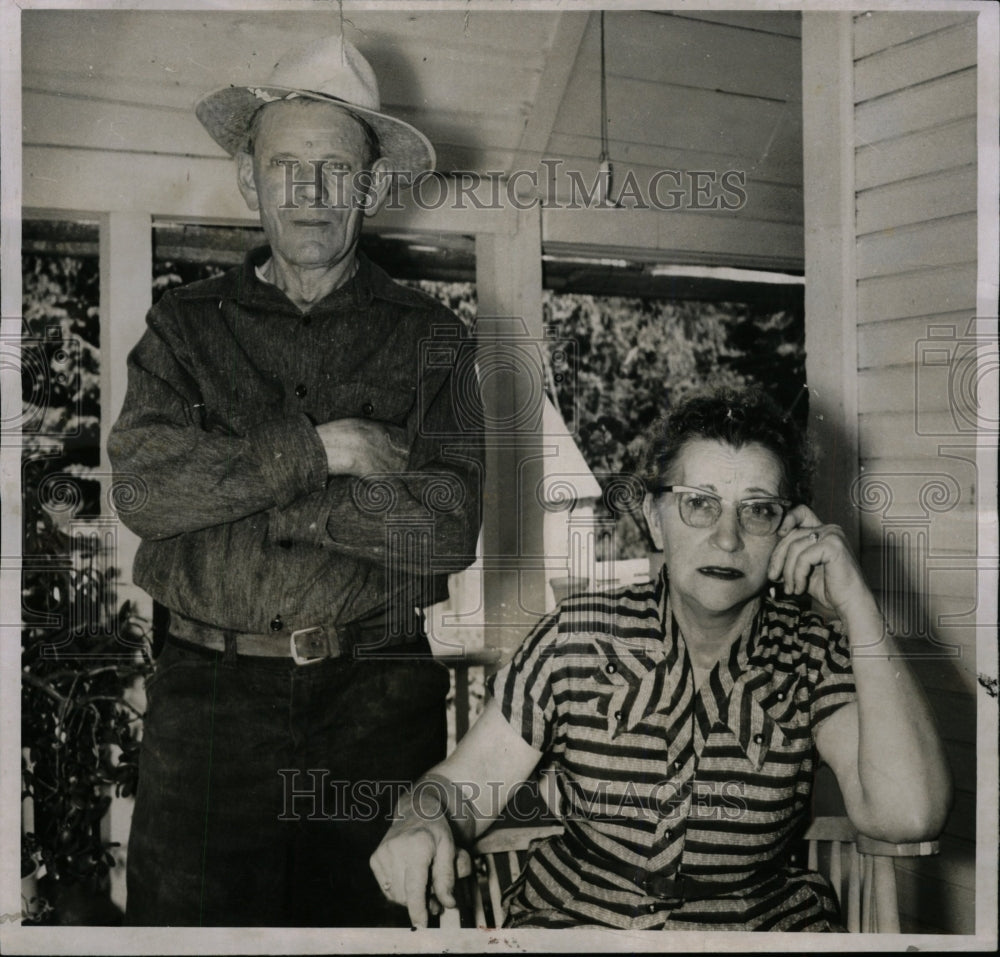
308	481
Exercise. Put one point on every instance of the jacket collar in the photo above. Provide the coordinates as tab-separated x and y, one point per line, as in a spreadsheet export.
370	282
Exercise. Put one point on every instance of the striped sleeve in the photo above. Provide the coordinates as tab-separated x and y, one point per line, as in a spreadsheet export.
835	684
523	687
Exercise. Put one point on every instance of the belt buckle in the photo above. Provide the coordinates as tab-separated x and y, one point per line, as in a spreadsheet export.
313	633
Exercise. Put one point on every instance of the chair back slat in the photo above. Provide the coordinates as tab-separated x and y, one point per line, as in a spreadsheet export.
855	917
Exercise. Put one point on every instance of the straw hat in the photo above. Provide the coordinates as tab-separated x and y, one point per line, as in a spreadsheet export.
330	69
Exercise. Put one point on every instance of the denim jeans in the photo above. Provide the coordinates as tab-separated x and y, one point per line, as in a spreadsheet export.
265	786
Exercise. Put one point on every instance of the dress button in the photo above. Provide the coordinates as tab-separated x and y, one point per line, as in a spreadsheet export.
610	669
618	715
368	409
651	908
758	739
780	695
307	320
678	765
276	623
301	390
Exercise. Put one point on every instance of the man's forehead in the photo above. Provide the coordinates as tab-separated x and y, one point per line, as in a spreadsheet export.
311	120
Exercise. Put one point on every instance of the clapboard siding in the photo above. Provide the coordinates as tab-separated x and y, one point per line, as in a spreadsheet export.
946	242
882	29
927	151
916	61
915	386
893	434
908	111
935	196
891	342
941	290
916	229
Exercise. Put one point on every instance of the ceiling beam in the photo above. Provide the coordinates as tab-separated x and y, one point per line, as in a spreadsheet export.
567	35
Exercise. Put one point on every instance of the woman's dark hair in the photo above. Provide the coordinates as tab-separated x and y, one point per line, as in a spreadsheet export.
737	417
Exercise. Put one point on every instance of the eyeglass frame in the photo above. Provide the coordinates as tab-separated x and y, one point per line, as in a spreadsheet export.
785	503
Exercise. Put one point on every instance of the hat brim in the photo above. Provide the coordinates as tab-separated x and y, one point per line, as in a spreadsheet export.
226	115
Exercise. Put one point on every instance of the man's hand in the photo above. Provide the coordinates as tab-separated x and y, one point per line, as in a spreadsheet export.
362	447
418	850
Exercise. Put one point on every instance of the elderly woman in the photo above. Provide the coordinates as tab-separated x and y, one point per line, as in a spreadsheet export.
682	719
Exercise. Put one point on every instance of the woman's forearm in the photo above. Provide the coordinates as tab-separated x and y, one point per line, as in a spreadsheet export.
904	783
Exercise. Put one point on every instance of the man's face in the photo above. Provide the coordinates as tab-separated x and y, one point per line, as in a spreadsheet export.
306	178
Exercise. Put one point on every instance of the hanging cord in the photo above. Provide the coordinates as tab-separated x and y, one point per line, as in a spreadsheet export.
606	172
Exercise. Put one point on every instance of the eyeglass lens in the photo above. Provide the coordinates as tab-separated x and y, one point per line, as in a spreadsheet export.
756	517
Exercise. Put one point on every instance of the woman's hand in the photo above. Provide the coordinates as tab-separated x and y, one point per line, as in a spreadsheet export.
815	559
462	795
417	851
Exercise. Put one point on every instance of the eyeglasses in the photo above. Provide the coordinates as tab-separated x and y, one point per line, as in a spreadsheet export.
701	509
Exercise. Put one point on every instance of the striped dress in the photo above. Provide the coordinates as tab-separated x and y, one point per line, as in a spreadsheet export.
659	780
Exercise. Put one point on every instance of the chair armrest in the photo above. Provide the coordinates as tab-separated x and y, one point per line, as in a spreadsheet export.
840	828
868	845
505	839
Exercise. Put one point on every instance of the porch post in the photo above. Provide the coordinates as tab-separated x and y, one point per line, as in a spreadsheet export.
126	260
126	256
510	340
831	283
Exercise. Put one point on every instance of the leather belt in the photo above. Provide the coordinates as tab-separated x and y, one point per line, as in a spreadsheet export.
305	646
683	887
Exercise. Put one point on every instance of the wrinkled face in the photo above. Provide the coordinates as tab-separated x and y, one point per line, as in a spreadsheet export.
716	570
306	177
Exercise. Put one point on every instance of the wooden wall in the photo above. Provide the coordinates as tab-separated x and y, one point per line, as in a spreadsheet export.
915	186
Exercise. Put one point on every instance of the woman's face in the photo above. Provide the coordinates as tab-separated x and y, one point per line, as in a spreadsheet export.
716	570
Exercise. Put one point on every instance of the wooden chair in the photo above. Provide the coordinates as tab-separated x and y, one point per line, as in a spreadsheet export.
861	870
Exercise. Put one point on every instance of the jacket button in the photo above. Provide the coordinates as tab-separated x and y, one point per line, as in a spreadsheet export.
284	543
307	320
301	390
368	409
276	623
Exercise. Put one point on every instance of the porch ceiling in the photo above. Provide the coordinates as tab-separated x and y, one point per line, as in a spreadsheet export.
496	92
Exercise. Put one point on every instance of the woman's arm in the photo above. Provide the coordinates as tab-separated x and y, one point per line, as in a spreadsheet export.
462	796
884	749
